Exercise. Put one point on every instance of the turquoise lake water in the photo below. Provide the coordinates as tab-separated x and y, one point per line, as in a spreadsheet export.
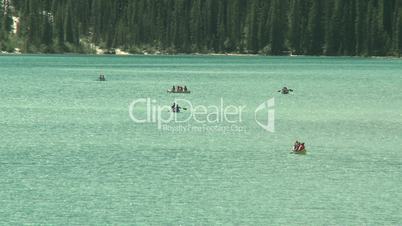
70	153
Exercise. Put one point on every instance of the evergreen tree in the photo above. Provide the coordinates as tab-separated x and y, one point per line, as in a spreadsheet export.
195	25
1	18
334	11
360	26
278	26
313	27
397	28
47	32
295	27
7	21
59	23
251	27
2	33
221	32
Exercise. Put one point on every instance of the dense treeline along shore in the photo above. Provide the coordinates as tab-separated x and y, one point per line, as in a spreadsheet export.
273	27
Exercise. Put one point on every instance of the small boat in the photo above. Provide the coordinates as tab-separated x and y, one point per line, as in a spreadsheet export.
285	90
175	91
101	78
299	148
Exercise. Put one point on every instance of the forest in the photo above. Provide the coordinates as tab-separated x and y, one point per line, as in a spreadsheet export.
266	27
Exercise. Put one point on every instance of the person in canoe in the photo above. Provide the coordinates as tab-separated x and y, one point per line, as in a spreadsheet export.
299	147
296	146
178	89
177	108
102	77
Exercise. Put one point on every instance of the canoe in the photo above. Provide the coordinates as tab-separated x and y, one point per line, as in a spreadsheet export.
186	92
300	152
286	91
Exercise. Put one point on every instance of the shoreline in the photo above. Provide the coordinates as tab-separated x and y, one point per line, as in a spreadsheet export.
119	52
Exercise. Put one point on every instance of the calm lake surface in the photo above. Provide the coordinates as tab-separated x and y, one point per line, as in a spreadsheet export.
70	153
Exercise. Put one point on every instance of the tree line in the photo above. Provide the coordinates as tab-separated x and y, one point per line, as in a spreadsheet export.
272	27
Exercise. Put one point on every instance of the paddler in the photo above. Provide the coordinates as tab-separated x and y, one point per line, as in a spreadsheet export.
296	146
173	107
178	108
301	147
